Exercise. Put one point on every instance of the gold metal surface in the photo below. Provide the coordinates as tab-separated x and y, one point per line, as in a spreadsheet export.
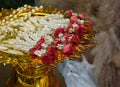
52	78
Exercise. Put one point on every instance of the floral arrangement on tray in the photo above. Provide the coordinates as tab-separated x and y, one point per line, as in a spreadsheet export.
44	35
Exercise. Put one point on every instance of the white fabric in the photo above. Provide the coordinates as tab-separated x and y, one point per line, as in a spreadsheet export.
77	74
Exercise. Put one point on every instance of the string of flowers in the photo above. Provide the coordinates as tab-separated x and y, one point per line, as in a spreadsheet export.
46	39
63	42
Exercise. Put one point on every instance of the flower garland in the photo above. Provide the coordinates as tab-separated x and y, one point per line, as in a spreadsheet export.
63	42
49	39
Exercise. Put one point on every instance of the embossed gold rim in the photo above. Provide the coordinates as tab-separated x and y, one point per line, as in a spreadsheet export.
39	77
38	14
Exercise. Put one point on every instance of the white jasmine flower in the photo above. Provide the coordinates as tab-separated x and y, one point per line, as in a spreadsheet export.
48	39
75	25
69	38
40	52
60	46
44	45
3	48
30	31
60	35
81	21
47	30
71	30
62	39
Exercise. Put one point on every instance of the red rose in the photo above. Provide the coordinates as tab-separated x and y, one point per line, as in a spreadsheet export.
74	18
52	51
58	42
31	80
67	36
66	30
47	59
82	16
58	31
71	25
88	23
68	49
32	50
80	30
66	40
75	39
69	13
39	43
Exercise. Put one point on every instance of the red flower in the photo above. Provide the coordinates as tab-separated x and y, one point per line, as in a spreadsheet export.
58	42
82	16
74	18
52	50
47	59
69	13
32	50
88	23
58	31
68	49
66	30
67	38
80	30
71	25
39	43
31	80
75	39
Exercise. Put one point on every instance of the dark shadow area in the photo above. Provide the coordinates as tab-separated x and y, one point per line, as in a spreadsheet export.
5	72
14	3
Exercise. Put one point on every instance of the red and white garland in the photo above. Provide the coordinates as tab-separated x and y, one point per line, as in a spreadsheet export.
63	42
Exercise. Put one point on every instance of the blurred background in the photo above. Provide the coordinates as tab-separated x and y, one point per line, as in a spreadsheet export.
14	3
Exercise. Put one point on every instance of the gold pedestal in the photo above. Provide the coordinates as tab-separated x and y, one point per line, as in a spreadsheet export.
39	77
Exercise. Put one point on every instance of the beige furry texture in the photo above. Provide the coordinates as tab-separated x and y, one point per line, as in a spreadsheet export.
107	54
63	4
